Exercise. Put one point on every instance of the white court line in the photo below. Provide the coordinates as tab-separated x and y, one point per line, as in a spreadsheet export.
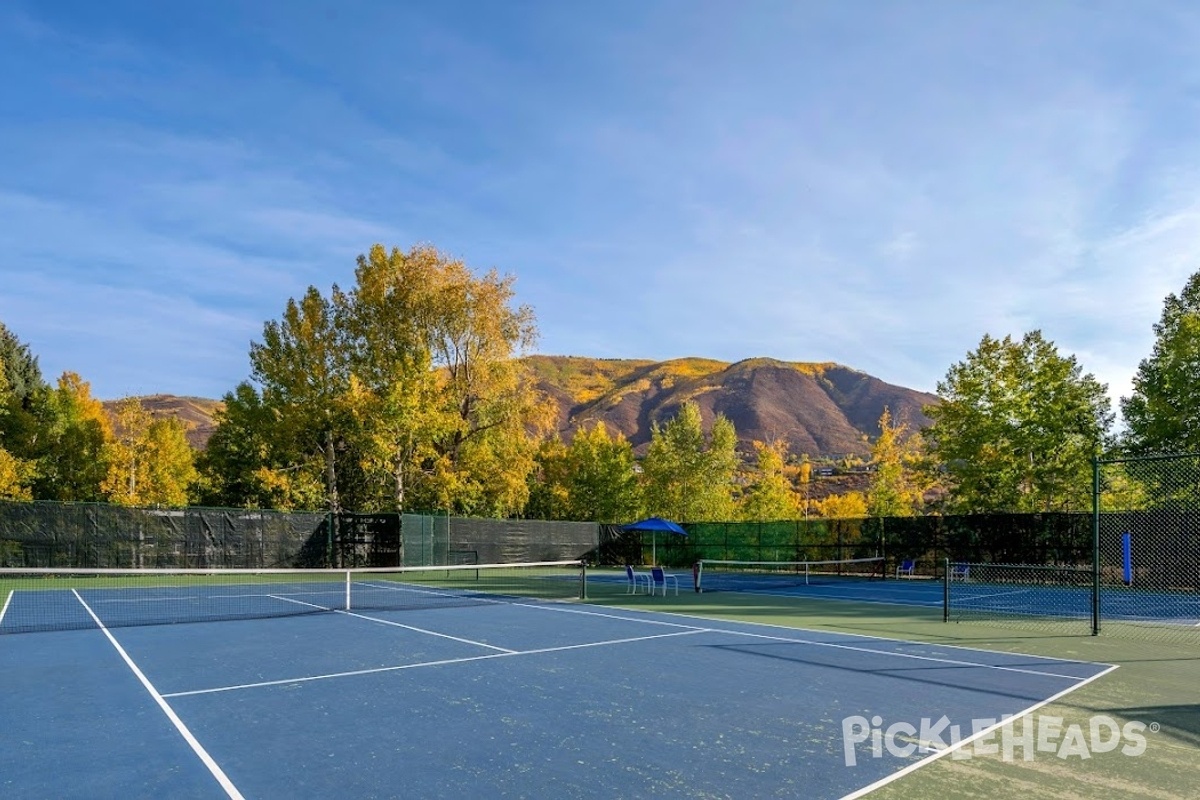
845	633
442	662
815	594
405	587
429	632
969	597
964	742
7	600
178	598
197	748
394	624
950	661
566	610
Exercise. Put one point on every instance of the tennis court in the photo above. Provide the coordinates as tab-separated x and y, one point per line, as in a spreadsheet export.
995	591
516	693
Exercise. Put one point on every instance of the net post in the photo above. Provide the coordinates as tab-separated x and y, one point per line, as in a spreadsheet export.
583	580
945	590
1095	546
698	575
347	590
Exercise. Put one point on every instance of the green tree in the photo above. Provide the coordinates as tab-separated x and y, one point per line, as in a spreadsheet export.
1016	428
549	493
896	488
1121	491
301	365
770	495
76	437
15	473
687	476
236	464
22	400
1163	413
602	485
21	371
455	418
402	392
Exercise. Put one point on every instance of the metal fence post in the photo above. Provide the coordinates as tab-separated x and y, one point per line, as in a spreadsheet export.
1095	546
945	590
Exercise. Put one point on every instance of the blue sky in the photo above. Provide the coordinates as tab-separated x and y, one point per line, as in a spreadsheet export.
873	183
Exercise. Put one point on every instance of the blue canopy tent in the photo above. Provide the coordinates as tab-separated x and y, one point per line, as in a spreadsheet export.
655	525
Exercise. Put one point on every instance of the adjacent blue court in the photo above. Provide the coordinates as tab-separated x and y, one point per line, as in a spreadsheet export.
1118	603
528	698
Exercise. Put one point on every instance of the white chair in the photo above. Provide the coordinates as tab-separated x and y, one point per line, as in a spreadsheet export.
635	578
960	572
906	568
660	578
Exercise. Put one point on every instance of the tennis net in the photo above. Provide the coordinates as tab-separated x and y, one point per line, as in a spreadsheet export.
65	599
1018	592
764	576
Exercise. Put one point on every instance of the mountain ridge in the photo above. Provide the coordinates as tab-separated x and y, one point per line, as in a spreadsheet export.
822	409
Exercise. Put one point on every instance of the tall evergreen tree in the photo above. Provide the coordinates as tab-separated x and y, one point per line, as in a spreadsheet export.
21	370
23	398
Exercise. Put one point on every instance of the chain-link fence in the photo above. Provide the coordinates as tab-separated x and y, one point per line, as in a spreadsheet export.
1055	598
1147	527
1059	538
795	540
1137	574
437	540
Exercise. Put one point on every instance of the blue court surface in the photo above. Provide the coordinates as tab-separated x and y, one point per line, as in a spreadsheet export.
1118	603
520	699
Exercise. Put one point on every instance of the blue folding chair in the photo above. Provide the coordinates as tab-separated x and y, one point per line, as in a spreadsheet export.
635	578
660	578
